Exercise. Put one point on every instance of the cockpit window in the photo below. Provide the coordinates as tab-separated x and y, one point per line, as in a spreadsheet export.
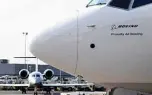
96	2
33	75
138	3
37	75
121	3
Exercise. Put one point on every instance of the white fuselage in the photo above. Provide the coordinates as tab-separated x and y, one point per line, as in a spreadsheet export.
35	79
122	40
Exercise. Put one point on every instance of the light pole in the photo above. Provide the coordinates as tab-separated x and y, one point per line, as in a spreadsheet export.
25	34
60	76
30	68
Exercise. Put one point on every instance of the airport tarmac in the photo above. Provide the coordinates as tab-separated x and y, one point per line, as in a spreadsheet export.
28	93
53	93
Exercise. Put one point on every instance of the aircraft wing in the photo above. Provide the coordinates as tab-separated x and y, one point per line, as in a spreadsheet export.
68	84
14	85
58	84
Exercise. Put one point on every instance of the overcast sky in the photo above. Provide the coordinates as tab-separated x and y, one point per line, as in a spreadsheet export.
32	16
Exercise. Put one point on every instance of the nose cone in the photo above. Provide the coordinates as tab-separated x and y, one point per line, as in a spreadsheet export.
57	46
33	81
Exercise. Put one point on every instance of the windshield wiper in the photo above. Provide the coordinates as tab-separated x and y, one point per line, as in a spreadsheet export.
100	4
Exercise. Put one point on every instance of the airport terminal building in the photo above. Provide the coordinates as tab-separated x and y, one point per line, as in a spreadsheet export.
13	69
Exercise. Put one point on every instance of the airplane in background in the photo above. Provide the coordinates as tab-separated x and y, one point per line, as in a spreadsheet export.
35	79
109	42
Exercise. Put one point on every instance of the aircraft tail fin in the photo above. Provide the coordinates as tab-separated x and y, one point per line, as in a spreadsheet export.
36	66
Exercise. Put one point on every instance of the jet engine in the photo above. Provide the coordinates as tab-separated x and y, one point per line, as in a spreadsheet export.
48	73
24	73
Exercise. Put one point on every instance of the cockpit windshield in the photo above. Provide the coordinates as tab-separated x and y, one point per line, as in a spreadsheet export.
37	75
96	2
33	75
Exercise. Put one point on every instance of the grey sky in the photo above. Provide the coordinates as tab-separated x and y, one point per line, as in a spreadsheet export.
32	16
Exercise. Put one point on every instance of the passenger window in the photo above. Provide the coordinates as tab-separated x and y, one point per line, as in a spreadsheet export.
138	3
120	3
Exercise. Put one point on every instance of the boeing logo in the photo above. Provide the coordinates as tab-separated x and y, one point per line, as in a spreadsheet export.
113	27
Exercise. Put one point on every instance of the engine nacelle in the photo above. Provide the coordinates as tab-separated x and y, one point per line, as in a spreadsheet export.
48	73
24	73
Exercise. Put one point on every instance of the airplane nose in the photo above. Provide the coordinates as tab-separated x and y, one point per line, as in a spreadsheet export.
33	81
57	47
